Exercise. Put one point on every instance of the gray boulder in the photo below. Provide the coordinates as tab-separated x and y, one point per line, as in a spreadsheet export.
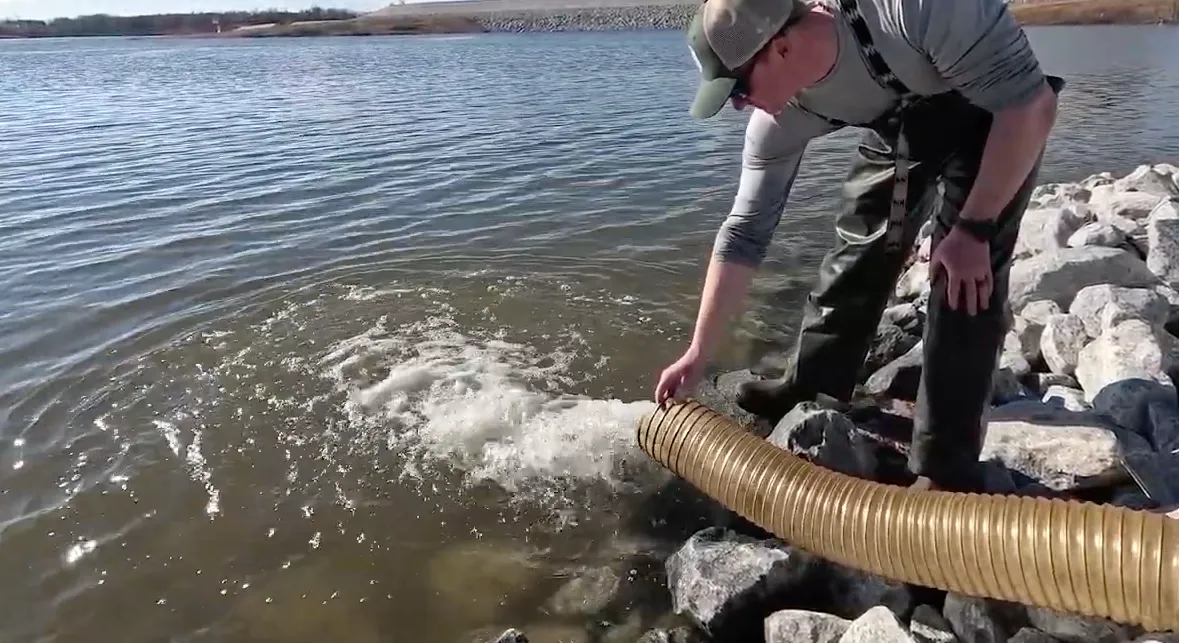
1062	450
1139	303
978	620
1059	275
877	625
1074	628
794	626
927	625
1131	350
727	583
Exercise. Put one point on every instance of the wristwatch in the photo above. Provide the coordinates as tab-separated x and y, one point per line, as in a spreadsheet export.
980	229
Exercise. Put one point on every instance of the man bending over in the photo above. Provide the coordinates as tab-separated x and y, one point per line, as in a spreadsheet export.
956	112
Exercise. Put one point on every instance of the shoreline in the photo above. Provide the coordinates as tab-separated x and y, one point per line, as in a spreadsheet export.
526	16
1083	409
522	16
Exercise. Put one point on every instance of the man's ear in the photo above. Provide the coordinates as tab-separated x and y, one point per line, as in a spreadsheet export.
780	45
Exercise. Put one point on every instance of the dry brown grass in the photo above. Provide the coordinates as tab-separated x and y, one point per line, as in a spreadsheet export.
400	25
1097	12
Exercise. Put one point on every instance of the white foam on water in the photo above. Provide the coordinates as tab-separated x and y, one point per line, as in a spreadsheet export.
498	411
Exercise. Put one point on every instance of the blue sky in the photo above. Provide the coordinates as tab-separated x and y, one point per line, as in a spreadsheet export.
43	9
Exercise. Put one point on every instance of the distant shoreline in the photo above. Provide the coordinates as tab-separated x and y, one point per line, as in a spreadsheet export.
492	16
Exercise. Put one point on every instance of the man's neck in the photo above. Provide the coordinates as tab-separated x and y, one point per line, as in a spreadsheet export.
819	42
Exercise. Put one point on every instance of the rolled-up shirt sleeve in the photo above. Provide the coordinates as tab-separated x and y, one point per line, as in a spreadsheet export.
770	158
979	48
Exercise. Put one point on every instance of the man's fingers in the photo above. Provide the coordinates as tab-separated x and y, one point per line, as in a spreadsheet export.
971	287
952	292
986	289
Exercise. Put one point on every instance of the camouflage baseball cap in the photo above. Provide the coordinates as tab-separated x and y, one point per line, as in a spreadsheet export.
724	35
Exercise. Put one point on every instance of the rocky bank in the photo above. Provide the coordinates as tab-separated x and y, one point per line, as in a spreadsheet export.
589	19
1084	406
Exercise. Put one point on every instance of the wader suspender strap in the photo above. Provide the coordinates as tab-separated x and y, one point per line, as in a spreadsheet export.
884	76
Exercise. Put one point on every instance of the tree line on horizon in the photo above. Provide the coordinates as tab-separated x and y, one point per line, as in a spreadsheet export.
161	24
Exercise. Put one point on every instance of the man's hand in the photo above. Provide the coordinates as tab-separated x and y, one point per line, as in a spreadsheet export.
967	262
682	375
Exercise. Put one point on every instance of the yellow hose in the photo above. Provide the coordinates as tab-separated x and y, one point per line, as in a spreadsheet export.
1079	557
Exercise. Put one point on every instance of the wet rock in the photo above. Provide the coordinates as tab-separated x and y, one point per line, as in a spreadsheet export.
1073	628
890	343
905	316
1162	234
719	391
1148	180
977	620
1061	342
792	626
827	438
1058	276
928	626
1031	635
1046	229
1062	450
1071	399
877	625
1097	233
1130	350
512	636
727	583
675	635
587	594
1138	303
900	378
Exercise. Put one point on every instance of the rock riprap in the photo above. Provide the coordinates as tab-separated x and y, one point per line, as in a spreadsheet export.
1084	407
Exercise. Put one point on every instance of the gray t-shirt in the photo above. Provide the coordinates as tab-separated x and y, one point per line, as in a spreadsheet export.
973	46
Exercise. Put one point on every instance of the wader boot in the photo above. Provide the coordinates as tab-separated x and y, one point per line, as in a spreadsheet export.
918	161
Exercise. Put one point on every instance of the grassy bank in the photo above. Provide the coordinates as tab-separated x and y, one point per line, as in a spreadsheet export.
617	15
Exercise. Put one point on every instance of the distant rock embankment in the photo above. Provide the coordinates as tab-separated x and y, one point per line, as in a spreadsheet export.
589	19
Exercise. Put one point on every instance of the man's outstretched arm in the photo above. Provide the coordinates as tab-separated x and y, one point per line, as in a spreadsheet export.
770	160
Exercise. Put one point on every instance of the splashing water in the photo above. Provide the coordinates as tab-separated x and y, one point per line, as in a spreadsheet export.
490	407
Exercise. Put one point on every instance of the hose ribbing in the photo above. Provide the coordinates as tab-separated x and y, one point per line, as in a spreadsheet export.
1080	557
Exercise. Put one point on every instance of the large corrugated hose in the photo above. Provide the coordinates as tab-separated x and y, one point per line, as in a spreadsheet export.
1079	557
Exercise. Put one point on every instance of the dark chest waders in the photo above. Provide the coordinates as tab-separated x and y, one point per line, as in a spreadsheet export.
889	126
